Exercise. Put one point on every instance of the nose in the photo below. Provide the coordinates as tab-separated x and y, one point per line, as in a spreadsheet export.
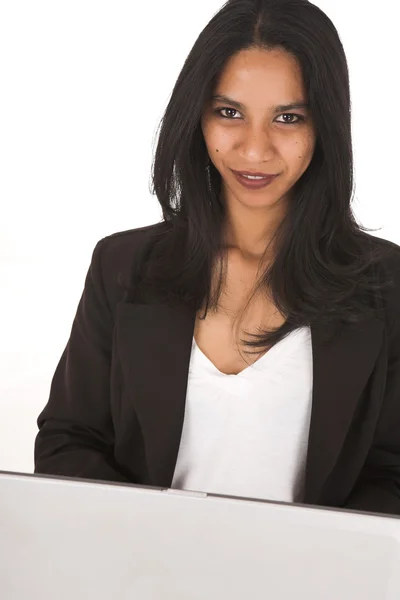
257	145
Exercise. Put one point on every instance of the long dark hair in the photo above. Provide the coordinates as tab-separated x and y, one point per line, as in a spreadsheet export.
323	263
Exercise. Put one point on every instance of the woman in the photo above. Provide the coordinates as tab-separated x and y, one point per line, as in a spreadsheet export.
249	343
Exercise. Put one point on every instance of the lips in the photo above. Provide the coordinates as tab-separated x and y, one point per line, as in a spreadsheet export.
254	174
246	173
253	184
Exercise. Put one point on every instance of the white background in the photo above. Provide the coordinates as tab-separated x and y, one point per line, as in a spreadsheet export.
83	85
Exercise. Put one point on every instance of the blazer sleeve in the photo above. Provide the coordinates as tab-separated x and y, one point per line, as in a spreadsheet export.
76	436
378	489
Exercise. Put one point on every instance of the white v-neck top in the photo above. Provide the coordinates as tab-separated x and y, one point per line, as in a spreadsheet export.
247	434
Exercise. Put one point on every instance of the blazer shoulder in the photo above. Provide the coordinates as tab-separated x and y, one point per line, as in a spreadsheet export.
390	262
122	246
389	267
392	247
118	254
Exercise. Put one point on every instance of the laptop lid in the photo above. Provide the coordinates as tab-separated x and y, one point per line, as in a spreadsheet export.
72	538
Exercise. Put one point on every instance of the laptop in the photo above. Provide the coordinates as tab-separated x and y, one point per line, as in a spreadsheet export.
74	539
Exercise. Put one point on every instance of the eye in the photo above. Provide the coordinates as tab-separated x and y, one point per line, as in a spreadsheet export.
219	110
299	117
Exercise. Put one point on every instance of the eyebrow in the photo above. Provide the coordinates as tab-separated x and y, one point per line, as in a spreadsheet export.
279	108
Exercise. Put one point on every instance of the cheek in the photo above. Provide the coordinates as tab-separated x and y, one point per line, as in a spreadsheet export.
218	139
303	151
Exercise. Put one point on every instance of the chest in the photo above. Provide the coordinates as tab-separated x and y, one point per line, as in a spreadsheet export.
218	335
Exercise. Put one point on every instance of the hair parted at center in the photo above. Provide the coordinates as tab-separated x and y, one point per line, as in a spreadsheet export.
325	262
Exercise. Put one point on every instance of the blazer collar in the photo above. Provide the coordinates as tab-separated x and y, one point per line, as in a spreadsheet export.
154	344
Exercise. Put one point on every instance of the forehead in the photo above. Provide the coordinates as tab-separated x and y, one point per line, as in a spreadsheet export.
263	74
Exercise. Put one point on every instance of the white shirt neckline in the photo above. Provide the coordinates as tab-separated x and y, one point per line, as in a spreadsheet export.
253	368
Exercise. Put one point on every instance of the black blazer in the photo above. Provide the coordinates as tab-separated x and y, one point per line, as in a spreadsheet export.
117	397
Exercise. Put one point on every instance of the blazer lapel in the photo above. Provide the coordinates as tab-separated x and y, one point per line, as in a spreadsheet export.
341	368
154	345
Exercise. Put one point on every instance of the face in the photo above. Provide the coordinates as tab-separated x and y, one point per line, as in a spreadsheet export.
257	134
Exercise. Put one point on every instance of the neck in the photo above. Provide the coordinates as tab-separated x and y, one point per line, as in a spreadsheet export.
251	230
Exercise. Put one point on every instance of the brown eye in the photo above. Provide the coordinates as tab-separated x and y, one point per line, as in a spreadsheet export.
299	118
219	110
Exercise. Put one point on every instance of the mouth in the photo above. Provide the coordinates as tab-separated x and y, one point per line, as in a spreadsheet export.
254	174
253	181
